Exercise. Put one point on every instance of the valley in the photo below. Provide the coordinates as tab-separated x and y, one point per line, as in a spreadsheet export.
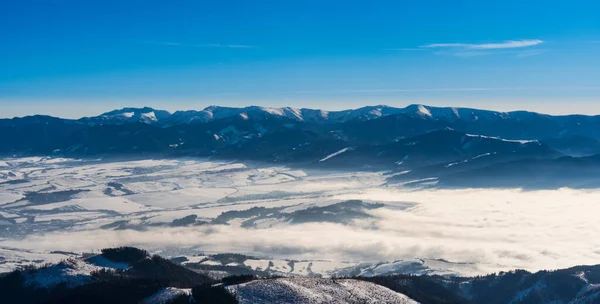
285	221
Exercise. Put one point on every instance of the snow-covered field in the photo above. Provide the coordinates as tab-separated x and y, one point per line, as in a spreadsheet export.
186	207
315	291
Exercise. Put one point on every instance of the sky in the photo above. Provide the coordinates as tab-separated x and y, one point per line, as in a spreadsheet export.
79	58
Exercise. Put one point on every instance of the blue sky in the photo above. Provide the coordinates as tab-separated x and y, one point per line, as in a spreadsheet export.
75	58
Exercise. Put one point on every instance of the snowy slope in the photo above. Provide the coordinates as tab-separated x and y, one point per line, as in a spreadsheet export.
211	113
73	271
314	291
12	258
166	295
305	115
130	115
454	114
322	116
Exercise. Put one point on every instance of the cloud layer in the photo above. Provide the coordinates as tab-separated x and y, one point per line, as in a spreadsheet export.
496	229
519	48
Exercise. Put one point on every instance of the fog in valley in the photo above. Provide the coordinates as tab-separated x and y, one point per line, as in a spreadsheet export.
198	206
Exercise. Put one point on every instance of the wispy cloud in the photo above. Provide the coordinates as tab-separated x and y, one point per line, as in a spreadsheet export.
518	48
509	44
206	45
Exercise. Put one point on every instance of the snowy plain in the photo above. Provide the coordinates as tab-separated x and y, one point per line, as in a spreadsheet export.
67	205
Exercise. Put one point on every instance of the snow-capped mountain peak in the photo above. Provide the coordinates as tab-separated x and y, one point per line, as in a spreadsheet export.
130	115
211	113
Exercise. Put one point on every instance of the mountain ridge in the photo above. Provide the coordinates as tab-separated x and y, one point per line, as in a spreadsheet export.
130	275
208	113
432	142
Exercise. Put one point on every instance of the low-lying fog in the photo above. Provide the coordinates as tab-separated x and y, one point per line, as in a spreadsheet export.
491	229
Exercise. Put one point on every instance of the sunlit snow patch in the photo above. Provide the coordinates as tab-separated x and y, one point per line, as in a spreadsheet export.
336	153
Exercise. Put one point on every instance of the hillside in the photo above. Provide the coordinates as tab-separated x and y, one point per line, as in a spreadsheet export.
129	275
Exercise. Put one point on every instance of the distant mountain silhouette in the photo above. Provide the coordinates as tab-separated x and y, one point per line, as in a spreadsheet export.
452	145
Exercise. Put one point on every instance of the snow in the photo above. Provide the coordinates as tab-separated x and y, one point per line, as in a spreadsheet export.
280	266
195	259
257	264
7	215
467	160
14	258
69	269
166	295
315	291
8	197
502	139
587	288
436	224
375	113
412	266
423	111
293	113
275	179
21	220
310	115
483	155
146	115
324	114
274	111
67	216
336	154
400	173
212	263
149	116
10	174
455	111
324	268
422	181
182	197
117	204
168	216
521	295
73	272
151	186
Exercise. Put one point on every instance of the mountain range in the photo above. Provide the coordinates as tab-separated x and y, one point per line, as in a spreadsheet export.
130	275
445	147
